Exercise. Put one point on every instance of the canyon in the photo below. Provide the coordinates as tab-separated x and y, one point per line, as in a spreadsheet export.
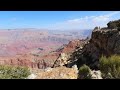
59	55
36	48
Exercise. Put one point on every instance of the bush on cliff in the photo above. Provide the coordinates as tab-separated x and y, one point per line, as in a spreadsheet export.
110	67
84	72
10	72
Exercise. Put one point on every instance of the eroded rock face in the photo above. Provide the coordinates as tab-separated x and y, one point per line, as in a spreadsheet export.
18	61
30	61
71	46
67	51
62	60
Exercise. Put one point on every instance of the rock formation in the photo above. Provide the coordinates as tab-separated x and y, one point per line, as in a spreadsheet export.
104	41
57	73
67	51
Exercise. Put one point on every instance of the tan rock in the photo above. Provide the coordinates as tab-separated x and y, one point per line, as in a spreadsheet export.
58	73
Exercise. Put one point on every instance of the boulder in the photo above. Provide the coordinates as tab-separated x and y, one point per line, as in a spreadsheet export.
96	74
32	76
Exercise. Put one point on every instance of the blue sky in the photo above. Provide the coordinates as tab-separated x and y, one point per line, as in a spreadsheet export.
63	20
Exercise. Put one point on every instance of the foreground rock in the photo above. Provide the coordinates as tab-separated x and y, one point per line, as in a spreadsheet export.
96	75
32	76
57	73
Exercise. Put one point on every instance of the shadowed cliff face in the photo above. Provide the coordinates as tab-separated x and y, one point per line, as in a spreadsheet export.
103	42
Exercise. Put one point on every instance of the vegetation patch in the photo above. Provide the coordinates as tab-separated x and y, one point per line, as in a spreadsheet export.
110	67
84	72
13	72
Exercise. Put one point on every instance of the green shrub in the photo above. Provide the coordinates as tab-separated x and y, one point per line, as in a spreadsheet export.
84	72
13	72
110	67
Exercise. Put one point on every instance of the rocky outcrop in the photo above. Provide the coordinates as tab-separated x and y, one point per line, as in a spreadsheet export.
62	60
67	51
60	73
114	24
104	41
57	73
48	59
72	45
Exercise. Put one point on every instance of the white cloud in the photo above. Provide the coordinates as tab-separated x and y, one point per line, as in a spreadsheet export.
85	22
101	18
104	17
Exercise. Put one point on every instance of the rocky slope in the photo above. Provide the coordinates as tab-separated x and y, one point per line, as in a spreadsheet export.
67	51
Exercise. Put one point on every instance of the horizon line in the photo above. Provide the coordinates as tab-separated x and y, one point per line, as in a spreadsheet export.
42	29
